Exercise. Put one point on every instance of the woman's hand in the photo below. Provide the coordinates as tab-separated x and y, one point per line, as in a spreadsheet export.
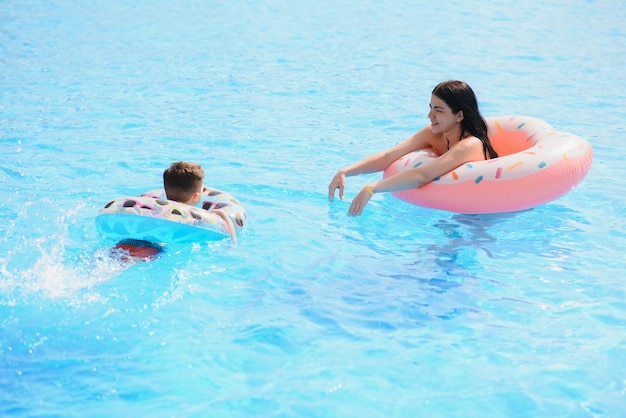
359	202
338	182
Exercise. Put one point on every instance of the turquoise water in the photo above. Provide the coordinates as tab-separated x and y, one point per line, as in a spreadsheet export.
403	311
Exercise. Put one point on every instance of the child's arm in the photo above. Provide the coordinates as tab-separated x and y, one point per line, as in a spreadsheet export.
229	223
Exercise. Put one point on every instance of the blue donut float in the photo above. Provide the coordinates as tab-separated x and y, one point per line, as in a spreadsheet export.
151	217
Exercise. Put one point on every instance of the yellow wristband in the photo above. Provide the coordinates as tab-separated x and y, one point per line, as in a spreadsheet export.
369	189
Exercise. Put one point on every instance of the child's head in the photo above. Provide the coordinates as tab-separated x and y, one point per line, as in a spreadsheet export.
183	182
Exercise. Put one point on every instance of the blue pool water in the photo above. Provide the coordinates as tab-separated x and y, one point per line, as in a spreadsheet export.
401	312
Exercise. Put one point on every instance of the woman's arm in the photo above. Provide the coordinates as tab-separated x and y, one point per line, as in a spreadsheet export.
381	160
470	149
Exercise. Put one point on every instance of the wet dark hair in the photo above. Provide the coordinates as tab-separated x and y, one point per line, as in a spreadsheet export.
182	179
459	96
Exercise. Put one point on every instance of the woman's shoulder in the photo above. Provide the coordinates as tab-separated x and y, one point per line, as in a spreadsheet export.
471	147
425	138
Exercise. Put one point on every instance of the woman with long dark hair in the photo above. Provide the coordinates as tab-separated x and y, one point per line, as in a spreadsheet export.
457	133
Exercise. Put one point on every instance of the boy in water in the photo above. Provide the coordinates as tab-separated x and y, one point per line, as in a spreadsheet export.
183	182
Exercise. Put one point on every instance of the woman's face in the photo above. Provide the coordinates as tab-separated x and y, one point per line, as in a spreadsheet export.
441	117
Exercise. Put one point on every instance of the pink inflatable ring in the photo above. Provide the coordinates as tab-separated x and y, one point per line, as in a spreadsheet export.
536	165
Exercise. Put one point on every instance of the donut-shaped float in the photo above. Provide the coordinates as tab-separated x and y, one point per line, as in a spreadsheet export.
536	165
151	217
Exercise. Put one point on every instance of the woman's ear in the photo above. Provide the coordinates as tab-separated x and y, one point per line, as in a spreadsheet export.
459	116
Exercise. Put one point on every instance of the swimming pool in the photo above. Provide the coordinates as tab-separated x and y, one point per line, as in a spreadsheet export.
403	311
